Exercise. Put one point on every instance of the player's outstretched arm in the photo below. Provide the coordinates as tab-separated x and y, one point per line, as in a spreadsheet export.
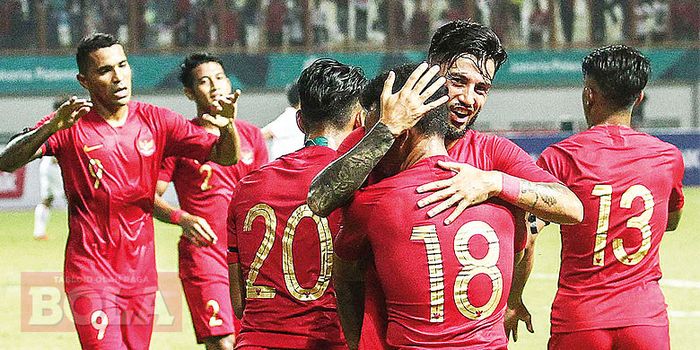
194	228
236	289
26	147
470	186
516	310
334	186
224	111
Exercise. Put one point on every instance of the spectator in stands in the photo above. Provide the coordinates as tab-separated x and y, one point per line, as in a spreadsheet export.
181	23
202	22
685	19
539	21
230	28
276	13
420	25
566	12
294	27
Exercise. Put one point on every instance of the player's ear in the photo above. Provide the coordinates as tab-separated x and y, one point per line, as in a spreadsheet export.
189	93
82	80
360	118
639	99
300	123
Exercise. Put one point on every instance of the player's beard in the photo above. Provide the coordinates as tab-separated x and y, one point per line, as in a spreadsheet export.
454	133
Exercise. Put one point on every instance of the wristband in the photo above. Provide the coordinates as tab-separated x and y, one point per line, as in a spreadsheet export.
510	190
176	215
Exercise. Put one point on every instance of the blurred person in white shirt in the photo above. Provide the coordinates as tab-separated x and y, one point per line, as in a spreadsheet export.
283	133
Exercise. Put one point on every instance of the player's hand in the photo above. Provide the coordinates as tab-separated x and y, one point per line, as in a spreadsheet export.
402	110
70	111
197	230
470	186
223	110
515	314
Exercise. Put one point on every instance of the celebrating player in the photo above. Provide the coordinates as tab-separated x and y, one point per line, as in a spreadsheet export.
469	55
110	149
630	185
280	253
444	286
204	191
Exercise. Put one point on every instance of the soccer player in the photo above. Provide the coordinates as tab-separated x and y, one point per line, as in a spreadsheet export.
204	191
630	185
280	253
50	187
283	133
469	55
444	286
110	149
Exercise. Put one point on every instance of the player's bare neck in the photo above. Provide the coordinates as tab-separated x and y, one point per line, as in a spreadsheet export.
115	117
419	148
613	118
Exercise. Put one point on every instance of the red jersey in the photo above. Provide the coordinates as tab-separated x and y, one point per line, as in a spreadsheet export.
285	253
205	190
109	175
445	286
628	182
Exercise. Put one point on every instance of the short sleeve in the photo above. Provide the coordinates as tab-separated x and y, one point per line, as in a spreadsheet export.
351	243
553	162
232	256
185	139
512	160
677	199
166	169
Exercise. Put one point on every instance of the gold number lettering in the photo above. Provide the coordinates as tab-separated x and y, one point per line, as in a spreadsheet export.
213	320
640	222
206	168
471	267
290	278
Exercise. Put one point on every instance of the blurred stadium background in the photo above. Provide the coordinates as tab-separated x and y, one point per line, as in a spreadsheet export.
266	43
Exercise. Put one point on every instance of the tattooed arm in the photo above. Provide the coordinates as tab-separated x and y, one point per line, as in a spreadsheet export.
471	186
335	185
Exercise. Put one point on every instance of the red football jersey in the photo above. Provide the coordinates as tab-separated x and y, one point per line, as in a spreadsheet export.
109	175
205	190
445	286
628	182
286	254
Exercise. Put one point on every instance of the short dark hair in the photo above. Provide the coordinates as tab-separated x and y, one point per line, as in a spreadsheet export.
193	61
433	122
458	38
621	72
328	90
293	94
90	44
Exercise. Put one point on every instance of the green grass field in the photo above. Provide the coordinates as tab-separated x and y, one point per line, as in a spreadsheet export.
22	254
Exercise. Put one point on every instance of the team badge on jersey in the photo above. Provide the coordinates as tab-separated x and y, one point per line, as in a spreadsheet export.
146	146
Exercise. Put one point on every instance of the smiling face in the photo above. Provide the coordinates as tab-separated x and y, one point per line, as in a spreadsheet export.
208	82
108	78
468	88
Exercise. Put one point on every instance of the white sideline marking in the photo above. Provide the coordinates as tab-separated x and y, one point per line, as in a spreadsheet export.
683	314
664	281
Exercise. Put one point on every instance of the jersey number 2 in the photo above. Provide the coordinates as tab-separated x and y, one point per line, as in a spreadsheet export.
290	278
640	222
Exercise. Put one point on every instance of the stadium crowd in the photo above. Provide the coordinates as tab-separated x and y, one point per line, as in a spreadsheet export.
253	25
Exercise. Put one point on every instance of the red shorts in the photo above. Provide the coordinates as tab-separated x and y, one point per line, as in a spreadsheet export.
633	337
109	321
210	307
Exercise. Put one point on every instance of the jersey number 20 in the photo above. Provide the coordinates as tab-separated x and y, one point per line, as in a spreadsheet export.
290	278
